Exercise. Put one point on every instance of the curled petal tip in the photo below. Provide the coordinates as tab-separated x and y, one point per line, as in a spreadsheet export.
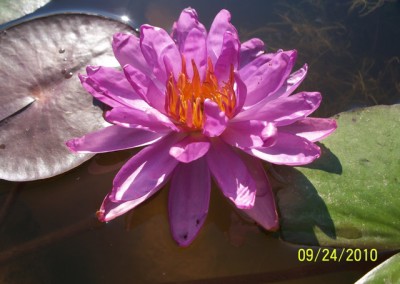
92	69
119	36
275	227
119	39
82	77
183	241
191	11
245	206
334	124
100	216
71	145
227	13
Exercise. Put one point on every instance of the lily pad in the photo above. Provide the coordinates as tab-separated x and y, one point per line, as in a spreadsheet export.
13	9
42	103
387	272
350	197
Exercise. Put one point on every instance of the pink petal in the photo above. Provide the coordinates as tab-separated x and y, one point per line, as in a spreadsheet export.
264	209
188	21
241	94
228	57
231	174
147	170
148	119
137	79
113	138
109	86
264	75
195	50
188	200
215	120
190	36
150	90
284	110
259	61
157	46
246	134
190	149
269	134
310	128
112	209
219	27
249	50
288	150
127	50
290	85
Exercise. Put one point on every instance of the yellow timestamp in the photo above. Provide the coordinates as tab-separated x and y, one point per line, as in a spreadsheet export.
336	255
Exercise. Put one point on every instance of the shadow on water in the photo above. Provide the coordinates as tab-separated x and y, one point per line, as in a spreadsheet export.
301	207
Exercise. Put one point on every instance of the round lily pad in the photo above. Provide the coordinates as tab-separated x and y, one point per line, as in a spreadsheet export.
13	9
387	272
350	197
42	103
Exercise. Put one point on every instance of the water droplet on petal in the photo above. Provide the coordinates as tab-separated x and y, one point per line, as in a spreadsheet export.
61	50
65	59
68	75
64	71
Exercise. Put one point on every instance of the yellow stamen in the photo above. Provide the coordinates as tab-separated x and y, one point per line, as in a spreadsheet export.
184	100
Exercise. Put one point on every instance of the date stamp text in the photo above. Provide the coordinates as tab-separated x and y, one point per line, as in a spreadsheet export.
336	255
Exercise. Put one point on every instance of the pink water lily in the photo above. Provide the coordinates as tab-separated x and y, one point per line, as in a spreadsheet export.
205	105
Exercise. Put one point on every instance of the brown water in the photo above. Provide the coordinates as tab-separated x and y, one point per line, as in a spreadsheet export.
48	231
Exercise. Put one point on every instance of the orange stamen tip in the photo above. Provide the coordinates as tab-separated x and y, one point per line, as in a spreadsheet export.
184	101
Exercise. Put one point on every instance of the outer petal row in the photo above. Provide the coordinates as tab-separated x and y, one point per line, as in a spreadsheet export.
143	175
289	150
148	119
249	50
284	110
311	128
113	138
148	169
188	200
110	86
231	174
266	74
248	134
264	211
127	50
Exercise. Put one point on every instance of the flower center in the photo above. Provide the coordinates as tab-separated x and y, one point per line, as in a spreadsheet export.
184	100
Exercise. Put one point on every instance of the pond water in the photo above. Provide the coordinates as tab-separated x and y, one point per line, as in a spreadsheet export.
48	230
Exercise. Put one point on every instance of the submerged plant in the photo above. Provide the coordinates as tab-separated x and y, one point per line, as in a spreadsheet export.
366	7
205	105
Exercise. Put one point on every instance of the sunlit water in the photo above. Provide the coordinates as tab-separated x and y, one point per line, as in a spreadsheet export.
48	234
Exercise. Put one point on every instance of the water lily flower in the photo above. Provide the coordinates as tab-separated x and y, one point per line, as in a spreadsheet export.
204	105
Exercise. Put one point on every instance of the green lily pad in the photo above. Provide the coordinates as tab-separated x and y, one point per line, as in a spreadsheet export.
13	9
350	197
42	102
387	272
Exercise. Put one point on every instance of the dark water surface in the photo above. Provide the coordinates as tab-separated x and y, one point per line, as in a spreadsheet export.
48	234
